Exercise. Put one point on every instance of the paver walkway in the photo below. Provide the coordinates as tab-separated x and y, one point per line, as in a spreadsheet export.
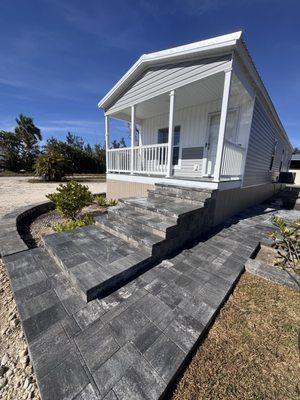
132	343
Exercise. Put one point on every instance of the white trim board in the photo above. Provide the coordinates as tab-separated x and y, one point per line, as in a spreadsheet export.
150	180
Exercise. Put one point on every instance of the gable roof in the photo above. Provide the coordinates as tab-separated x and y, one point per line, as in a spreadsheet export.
196	49
231	42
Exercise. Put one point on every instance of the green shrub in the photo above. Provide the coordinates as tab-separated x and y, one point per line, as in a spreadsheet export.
102	201
87	219
70	198
112	202
52	166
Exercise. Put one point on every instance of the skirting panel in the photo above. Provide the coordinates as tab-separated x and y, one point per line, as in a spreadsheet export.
119	189
230	202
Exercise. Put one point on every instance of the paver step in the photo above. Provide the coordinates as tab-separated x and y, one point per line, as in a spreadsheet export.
167	208
153	224
133	234
95	261
184	193
161	196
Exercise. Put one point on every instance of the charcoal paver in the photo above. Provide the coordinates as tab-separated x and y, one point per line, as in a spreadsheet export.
131	343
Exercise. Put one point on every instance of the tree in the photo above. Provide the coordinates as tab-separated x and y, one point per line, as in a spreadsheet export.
10	146
75	141
52	166
81	160
117	144
27	131
29	135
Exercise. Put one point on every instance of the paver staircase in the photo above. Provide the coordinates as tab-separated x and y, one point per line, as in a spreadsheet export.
131	237
162	222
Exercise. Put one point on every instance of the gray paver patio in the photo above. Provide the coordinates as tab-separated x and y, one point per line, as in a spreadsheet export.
132	343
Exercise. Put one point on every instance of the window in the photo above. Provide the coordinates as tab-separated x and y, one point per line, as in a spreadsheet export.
162	137
273	156
281	161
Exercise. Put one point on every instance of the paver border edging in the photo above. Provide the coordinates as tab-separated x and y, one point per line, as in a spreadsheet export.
11	240
272	274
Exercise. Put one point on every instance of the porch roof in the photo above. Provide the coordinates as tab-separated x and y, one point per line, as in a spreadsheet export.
204	48
196	49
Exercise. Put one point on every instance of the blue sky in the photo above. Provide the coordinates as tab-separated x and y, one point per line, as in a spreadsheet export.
59	57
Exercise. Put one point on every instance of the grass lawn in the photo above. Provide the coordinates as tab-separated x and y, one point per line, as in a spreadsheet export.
251	351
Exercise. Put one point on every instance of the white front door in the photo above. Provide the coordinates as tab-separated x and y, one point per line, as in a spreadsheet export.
212	137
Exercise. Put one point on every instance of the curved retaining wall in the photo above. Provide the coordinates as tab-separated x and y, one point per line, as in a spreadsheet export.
10	226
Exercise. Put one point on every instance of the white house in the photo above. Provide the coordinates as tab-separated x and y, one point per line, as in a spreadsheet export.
204	119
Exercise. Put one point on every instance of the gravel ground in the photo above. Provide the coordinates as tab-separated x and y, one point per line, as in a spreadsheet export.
17	192
17	380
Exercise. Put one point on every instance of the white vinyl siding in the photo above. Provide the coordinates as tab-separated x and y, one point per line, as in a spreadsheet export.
263	137
159	80
193	122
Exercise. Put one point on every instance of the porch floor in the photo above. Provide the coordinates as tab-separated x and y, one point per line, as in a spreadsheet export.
178	177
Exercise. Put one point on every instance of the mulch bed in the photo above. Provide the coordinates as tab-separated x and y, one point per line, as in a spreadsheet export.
43	225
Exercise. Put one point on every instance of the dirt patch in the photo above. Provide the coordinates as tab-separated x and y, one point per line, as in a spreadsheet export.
43	225
251	352
266	254
17	380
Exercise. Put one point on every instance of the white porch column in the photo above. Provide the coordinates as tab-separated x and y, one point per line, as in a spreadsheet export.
171	133
107	140
132	133
223	118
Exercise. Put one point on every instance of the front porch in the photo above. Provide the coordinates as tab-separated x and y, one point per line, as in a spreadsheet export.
196	134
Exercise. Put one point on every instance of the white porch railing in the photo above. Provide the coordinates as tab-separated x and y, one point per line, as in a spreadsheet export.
119	160
232	161
151	159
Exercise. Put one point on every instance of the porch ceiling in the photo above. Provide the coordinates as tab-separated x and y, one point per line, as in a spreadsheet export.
203	91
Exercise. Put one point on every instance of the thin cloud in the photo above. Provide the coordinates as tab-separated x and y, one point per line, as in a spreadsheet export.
100	24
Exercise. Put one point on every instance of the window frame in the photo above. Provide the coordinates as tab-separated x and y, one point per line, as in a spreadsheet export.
166	129
273	155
